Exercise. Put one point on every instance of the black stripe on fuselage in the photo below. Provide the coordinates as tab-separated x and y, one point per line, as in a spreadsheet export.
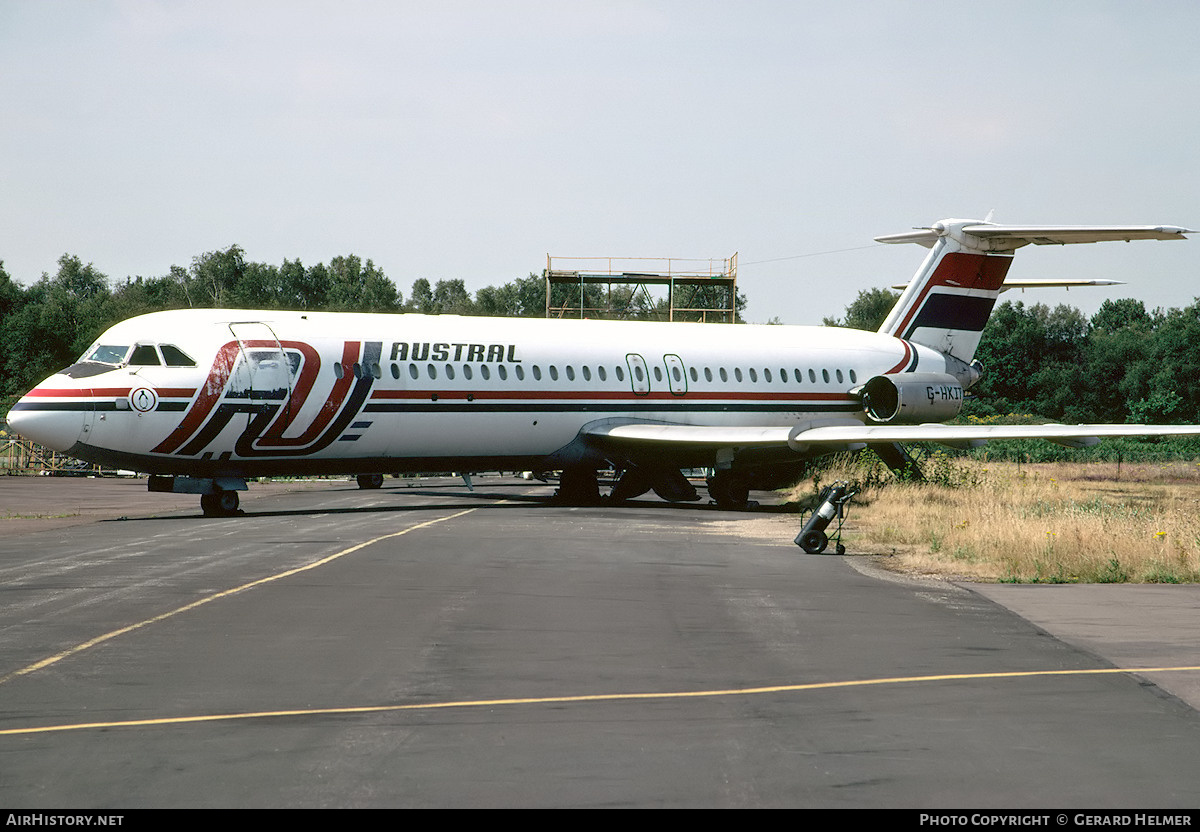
605	407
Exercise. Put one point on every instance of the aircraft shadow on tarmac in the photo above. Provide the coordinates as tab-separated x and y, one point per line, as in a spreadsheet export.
461	498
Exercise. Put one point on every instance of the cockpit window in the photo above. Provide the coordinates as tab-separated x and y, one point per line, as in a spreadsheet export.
144	355
175	357
106	354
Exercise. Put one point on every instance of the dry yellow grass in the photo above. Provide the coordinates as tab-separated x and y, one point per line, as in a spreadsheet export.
1051	523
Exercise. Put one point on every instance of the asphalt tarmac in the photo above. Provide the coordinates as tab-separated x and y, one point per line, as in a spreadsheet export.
424	645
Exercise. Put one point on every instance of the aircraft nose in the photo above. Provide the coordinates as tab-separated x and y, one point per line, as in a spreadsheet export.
49	416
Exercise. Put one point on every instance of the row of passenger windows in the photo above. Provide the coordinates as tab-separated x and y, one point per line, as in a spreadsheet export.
601	373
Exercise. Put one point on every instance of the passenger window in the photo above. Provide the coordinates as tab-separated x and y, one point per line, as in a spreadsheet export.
570	373
766	374
839	377
449	371
724	375
708	373
587	373
553	373
694	374
600	371
413	371
485	372
620	372
432	370
737	373
799	376
812	376
537	373
753	375
658	374
395	371
853	378
467	372
175	357
825	375
144	355
520	372
637	371
338	371
503	372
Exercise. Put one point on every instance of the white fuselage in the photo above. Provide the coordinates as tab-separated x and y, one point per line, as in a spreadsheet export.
272	392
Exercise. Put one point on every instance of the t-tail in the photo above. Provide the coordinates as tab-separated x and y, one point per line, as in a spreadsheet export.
947	303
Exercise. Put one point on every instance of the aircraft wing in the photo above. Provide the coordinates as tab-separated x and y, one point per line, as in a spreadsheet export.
809	439
973	435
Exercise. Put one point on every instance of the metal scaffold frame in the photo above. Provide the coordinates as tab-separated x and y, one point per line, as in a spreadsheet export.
697	289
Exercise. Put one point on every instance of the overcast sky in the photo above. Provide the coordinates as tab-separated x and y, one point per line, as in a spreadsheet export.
469	139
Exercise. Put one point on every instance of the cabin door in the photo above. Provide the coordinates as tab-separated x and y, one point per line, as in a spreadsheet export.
676	374
263	373
639	377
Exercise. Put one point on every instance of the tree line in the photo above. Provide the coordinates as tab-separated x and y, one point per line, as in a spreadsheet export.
1125	364
46	326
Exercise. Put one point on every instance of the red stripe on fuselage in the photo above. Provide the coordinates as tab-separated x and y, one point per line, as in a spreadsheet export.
627	395
107	392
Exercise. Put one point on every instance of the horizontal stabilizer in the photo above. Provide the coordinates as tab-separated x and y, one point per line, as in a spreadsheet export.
1009	237
1044	283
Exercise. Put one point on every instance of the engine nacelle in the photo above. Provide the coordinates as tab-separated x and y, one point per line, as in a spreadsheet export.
912	398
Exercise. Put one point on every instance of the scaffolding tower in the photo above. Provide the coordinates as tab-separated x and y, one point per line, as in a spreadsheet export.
631	288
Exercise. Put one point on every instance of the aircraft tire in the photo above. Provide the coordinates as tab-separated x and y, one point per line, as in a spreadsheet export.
370	480
578	487
727	491
221	504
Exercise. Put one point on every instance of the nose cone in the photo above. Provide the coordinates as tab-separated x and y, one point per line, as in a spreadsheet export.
51	415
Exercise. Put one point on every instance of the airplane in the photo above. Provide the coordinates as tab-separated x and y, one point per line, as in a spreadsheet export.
203	400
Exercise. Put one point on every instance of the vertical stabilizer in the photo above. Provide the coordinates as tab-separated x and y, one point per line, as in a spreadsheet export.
947	303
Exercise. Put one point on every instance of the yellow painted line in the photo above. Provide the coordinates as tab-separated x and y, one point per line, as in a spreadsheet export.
79	648
596	697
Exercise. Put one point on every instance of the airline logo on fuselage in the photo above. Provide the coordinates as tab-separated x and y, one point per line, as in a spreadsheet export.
431	351
248	377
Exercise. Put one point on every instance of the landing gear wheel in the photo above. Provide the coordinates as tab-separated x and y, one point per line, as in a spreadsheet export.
578	487
370	480
221	504
814	542
728	491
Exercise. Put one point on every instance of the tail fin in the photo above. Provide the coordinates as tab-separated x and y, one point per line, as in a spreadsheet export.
949	299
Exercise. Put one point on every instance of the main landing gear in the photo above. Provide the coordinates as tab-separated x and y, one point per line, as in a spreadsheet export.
728	490
578	487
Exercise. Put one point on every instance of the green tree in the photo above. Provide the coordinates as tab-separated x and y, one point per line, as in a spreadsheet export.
868	311
215	275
